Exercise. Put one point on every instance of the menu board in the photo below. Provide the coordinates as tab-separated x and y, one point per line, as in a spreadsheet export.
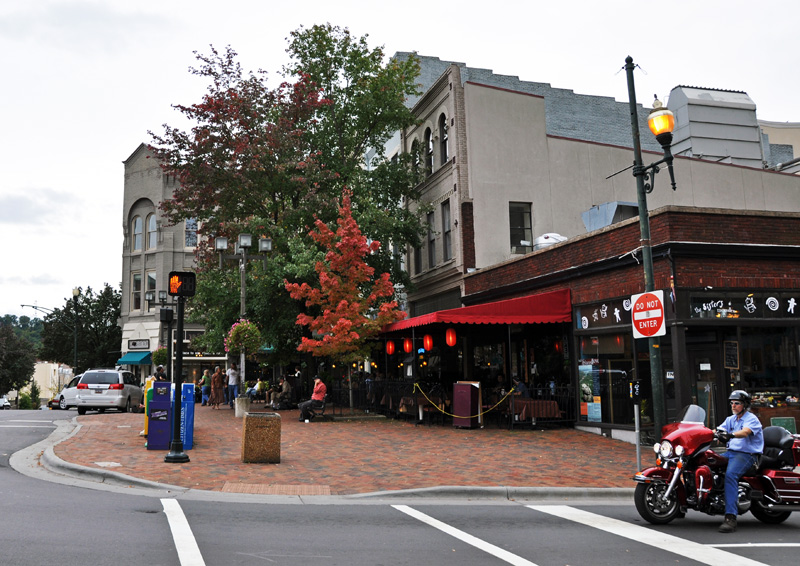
731	355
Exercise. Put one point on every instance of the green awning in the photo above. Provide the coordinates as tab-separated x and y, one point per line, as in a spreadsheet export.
135	359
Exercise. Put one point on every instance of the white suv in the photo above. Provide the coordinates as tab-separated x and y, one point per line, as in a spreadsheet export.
103	389
4	403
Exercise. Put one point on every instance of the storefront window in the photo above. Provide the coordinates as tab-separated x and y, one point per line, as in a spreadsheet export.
605	370
768	362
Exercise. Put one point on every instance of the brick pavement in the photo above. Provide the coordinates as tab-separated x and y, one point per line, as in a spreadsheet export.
358	456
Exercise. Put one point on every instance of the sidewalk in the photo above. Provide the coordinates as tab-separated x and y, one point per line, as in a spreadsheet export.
359	456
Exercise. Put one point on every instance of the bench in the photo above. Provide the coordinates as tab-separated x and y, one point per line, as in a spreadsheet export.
315	412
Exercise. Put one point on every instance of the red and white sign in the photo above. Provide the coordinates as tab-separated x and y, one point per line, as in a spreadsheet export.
647	314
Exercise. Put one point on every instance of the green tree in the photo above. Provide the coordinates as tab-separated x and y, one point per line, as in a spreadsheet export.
99	336
271	161
17	360
25	327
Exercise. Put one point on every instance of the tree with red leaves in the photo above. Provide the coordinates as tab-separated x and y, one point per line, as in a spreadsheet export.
351	304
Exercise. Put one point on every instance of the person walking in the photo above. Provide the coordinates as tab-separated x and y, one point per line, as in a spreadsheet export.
205	387
233	384
217	388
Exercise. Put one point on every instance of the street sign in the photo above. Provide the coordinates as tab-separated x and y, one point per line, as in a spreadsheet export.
647	314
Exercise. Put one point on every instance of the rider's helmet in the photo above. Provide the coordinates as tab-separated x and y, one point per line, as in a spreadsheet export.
740	395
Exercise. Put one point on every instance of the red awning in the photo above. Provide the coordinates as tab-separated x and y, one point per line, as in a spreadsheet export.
555	306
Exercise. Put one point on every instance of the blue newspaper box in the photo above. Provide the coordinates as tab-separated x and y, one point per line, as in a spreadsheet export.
187	415
159	416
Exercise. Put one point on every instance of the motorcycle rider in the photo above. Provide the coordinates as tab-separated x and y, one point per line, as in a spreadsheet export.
744	437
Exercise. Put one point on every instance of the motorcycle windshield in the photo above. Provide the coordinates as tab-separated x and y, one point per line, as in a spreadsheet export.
692	414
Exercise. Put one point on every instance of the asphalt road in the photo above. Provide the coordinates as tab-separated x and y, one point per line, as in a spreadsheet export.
49	519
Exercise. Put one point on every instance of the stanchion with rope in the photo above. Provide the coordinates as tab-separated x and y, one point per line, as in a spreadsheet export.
438	408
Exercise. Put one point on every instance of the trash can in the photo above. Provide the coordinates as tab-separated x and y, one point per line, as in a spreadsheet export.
261	438
159	416
465	404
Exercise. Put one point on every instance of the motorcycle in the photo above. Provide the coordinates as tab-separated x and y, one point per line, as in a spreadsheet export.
690	475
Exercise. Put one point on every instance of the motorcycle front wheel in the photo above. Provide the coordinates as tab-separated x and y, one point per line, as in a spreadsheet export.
652	507
768	515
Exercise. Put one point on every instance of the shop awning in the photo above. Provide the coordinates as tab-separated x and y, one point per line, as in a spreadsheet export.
554	306
135	359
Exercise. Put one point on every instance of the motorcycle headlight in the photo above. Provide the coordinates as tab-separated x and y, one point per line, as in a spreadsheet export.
666	449
657	447
679	450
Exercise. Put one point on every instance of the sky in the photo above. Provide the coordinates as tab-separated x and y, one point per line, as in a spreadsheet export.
84	82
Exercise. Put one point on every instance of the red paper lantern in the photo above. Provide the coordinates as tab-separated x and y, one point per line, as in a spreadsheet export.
407	345
450	337
390	347
427	342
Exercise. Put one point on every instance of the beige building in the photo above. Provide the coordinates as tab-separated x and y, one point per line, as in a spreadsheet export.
513	166
152	248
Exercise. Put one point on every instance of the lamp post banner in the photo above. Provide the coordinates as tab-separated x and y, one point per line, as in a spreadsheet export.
647	314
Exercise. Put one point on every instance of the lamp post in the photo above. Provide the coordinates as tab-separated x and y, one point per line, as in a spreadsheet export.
243	243
661	122
166	315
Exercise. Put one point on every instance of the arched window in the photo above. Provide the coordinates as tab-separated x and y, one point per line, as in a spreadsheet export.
415	157
136	234
428	152
443	139
152	234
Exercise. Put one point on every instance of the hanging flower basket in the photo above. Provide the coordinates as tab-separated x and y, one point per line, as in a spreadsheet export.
244	336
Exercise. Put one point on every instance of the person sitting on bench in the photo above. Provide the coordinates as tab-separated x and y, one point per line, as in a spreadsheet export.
282	396
317	397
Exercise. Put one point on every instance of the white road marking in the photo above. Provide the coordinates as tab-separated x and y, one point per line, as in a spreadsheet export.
758	545
25	426
465	537
185	543
698	552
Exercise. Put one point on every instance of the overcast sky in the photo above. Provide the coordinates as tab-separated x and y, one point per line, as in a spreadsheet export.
83	82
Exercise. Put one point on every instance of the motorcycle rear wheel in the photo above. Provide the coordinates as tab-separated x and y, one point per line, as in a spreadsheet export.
652	507
768	515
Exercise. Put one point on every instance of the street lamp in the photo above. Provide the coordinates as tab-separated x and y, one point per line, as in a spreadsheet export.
166	315
75	294
661	122
244	242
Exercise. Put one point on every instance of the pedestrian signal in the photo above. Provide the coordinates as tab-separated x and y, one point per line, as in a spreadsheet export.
181	283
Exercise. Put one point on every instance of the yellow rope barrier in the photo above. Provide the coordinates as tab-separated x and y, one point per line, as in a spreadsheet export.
438	408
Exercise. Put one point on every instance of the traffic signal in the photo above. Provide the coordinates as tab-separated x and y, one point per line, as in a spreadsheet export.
181	283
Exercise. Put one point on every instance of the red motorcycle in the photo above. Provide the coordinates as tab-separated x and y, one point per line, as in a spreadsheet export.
690	475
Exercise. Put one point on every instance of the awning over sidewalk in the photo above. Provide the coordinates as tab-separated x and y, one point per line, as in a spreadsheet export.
135	359
554	306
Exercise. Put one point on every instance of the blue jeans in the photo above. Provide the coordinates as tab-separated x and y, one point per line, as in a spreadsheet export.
233	393
738	464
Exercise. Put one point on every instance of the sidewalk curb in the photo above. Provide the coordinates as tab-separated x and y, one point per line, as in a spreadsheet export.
501	492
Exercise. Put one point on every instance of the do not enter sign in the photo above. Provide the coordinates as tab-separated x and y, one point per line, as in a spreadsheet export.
647	314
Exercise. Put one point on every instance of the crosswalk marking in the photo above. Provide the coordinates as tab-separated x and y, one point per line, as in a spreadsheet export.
465	537
185	543
698	552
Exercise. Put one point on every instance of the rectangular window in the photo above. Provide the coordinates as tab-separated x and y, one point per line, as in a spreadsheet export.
431	241
191	232
417	260
136	292
519	214
151	286
447	246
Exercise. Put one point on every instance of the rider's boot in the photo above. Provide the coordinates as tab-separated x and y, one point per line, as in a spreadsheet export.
728	525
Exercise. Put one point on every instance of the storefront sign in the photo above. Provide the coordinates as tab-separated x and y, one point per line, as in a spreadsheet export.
732	304
140	344
608	313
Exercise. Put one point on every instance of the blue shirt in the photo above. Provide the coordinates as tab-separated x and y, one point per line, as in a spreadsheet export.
522	390
752	443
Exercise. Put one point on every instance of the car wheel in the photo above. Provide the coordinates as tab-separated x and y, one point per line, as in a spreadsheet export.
62	404
127	407
81	410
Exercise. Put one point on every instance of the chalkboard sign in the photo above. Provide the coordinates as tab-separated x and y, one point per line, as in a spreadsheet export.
786	422
731	355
